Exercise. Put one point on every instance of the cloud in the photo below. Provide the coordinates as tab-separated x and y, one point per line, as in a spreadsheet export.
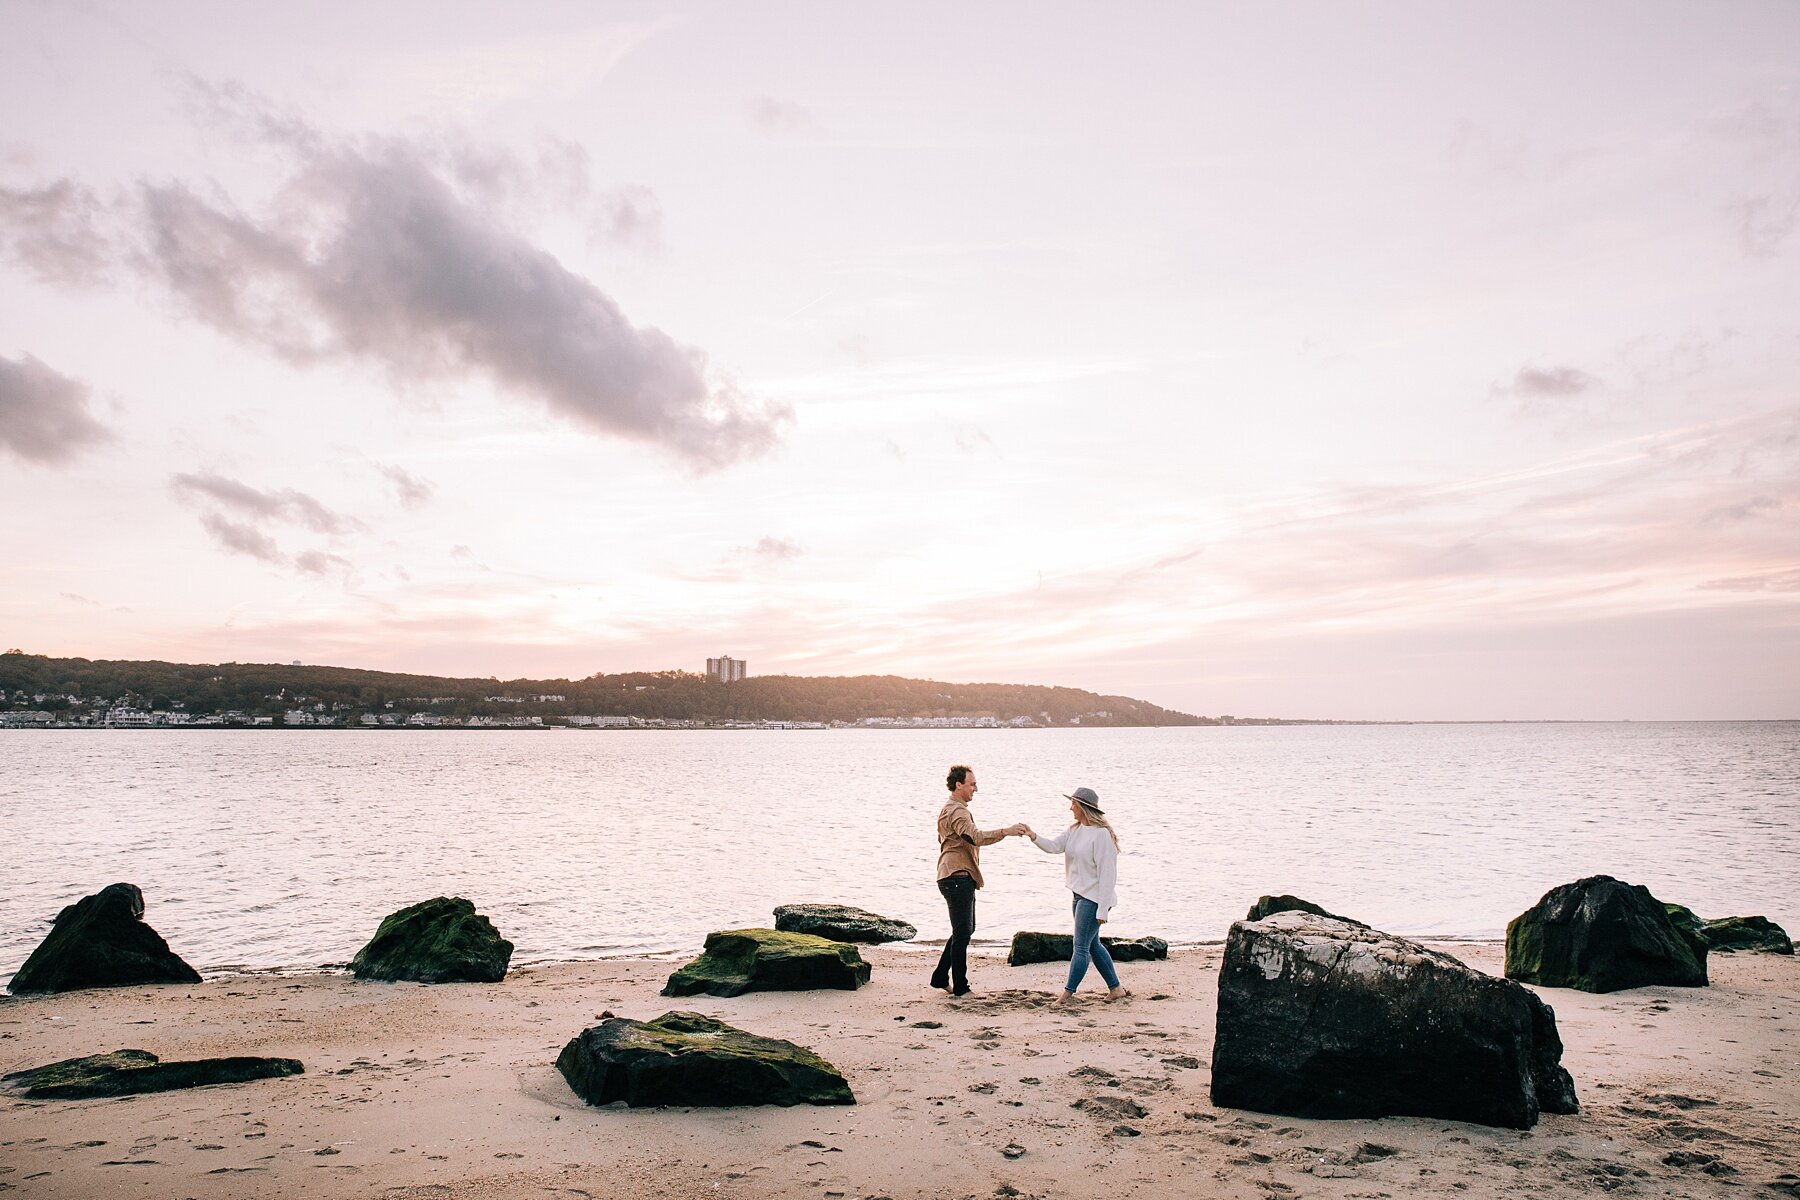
776	548
44	415
776	116
55	232
413	492
318	562
1763	581
288	505
1551	381
392	252
631	215
241	539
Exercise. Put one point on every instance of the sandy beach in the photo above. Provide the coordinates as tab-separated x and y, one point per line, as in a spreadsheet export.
419	1091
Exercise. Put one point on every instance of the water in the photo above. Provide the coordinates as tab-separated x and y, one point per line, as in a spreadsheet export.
262	850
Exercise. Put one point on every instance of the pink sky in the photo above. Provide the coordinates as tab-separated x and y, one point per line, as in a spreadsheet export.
1389	361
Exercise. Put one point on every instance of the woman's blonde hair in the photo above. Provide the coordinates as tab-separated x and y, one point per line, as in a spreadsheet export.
1087	816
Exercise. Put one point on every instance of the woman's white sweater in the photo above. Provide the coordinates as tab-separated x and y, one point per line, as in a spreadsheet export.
1090	863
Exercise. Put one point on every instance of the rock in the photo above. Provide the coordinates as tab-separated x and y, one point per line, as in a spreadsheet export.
766	960
1319	1017
443	940
102	941
683	1058
842	923
1268	906
129	1072
1690	927
1600	935
1028	948
1747	933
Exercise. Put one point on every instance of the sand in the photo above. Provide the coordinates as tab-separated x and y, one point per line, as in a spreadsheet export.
415	1091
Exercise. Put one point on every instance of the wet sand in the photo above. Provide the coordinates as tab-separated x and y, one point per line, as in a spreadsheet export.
415	1091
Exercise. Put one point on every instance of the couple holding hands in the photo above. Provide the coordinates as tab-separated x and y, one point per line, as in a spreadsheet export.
1090	851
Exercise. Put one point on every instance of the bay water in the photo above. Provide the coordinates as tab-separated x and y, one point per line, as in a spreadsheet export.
282	850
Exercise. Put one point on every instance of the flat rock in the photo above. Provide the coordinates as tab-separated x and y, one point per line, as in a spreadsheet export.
442	940
1268	906
102	941
1600	935
1030	948
842	923
1319	1017
683	1058
1747	933
735	961
130	1072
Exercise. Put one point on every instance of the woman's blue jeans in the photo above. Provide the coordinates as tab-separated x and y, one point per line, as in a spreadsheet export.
1088	947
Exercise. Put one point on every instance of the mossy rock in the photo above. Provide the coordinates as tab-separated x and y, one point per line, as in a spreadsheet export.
767	960
442	940
1600	935
1691	928
684	1058
842	923
132	1072
1747	933
1029	947
102	940
1268	906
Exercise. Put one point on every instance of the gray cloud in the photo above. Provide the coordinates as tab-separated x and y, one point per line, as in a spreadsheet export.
1551	382
241	539
56	232
391	252
287	505
413	492
766	112
318	562
44	415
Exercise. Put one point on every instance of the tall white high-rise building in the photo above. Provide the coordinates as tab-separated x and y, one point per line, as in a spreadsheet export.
726	669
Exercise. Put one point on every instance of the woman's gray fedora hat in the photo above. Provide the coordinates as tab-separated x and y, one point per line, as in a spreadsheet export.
1087	798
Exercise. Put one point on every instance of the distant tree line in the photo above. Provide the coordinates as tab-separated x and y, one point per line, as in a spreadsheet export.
268	688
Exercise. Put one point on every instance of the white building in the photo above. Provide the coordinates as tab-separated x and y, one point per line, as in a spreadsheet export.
726	669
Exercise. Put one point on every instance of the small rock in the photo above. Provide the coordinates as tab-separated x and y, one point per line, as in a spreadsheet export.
1013	1150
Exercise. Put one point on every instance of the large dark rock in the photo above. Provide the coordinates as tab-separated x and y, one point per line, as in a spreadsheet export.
1747	933
1600	935
443	940
1324	1018
102	941
1028	948
129	1072
1690	928
1268	906
842	923
683	1058
766	960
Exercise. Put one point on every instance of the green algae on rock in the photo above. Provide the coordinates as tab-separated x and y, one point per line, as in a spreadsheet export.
132	1072
1600	935
684	1058
735	961
442	940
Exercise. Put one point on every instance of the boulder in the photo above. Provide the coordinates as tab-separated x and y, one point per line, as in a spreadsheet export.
687	1059
102	941
1268	906
129	1072
443	940
1600	935
1319	1017
735	961
1030	948
842	923
1747	933
1690	927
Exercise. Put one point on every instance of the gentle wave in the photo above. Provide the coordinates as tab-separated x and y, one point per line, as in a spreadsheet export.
265	850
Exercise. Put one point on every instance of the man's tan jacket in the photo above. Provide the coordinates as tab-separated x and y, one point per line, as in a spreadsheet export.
959	842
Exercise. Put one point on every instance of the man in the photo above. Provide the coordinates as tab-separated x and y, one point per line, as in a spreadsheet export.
959	875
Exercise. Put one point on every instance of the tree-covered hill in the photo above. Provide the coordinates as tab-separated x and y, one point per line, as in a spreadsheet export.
66	686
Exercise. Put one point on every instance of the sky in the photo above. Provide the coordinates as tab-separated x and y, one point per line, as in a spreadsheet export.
1378	361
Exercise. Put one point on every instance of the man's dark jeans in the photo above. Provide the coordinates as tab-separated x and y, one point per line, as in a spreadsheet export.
953	964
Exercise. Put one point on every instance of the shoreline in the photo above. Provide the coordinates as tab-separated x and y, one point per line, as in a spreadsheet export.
449	1090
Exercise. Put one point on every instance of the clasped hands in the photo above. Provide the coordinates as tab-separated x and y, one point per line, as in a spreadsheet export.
1021	829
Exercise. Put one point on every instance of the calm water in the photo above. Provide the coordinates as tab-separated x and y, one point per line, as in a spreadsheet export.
263	850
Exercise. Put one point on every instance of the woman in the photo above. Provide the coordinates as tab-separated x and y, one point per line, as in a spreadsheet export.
1090	851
